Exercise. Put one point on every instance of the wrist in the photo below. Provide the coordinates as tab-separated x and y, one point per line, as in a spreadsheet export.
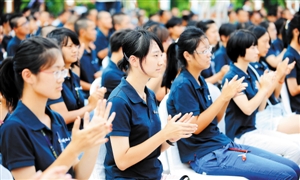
169	142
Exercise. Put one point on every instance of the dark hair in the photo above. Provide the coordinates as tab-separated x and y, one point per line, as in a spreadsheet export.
81	23
5	18
238	42
150	23
265	24
238	10
137	43
160	31
116	40
255	12
188	41
117	18
61	36
279	24
226	29
288	33
13	20
174	21
204	25
258	31
35	53
26	9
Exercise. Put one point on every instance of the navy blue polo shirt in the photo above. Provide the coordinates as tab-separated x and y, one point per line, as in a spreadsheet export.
236	122
206	73
221	58
88	67
276	48
186	95
138	121
71	95
293	55
102	41
13	46
23	144
111	77
260	68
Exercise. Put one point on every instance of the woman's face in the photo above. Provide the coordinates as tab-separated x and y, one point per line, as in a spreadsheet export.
251	54
202	55
213	34
272	31
48	82
154	61
70	52
263	44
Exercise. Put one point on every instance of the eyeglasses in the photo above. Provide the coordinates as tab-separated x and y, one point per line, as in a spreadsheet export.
58	74
206	51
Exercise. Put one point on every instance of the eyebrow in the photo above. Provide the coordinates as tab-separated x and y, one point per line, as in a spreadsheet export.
157	51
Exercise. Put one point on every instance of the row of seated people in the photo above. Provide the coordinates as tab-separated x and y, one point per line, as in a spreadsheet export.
136	128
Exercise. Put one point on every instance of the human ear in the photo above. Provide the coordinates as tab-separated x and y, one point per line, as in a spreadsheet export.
187	56
27	76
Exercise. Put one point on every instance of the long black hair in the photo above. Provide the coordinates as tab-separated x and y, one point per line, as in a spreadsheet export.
35	54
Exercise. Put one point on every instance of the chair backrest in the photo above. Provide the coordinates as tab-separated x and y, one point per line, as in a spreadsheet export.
215	93
99	169
96	83
285	99
172	153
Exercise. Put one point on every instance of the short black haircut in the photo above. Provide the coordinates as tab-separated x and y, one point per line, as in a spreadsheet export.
116	39
279	24
226	29
5	18
258	31
205	24
174	21
13	20
238	42
81	23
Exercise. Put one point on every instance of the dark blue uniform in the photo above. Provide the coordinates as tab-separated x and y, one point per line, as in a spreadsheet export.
186	95
13	46
88	67
71	95
221	58
238	123
111	77
23	143
276	48
138	121
293	55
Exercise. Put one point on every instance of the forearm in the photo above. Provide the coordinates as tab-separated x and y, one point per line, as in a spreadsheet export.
139	152
102	53
251	105
85	85
67	158
70	116
85	166
164	146
214	78
206	117
222	112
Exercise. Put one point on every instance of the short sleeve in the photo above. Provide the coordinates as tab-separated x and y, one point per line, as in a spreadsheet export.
293	73
121	123
16	148
99	43
54	101
185	99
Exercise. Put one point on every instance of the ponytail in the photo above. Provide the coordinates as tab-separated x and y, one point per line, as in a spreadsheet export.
173	66
8	87
124	63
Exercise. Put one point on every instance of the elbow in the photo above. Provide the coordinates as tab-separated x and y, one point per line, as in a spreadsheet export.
293	93
122	165
248	112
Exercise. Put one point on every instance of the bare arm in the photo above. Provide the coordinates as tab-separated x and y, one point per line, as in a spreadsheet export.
103	53
85	85
273	60
293	86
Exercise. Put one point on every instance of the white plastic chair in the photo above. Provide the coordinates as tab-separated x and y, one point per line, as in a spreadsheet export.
285	99
5	174
176	167
99	169
105	62
96	83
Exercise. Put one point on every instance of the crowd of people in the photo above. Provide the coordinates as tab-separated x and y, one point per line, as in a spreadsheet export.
48	67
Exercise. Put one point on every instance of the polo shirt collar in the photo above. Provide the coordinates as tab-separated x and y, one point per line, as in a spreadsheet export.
191	78
131	92
238	71
31	120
